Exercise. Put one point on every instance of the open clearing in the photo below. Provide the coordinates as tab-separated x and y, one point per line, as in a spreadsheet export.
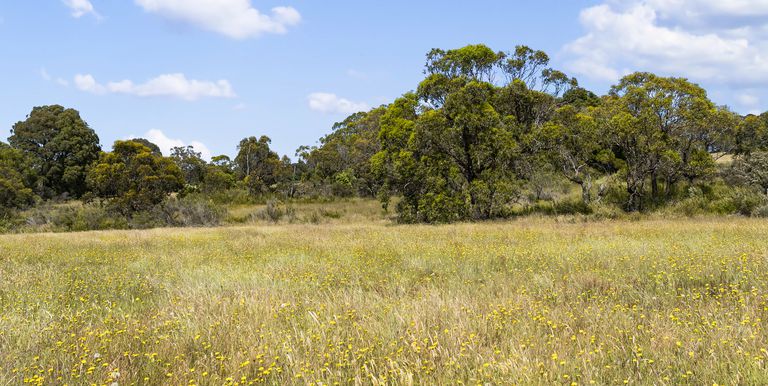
533	301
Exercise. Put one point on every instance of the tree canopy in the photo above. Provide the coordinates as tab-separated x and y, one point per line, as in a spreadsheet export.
486	134
133	178
61	147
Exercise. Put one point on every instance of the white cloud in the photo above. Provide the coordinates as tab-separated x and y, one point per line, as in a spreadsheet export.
239	107
237	19
332	104
698	10
722	42
166	144
80	8
89	84
44	74
168	85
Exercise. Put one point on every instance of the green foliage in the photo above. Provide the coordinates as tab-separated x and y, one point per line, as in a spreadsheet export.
154	148
662	130
344	158
191	163
60	146
485	135
134	179
258	167
573	143
461	155
17	178
581	98
751	170
720	199
476	62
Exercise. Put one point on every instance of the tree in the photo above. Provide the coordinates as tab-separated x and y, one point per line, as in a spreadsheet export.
61	147
752	171
475	62
258	166
218	175
344	156
449	163
662	129
458	148
154	148
751	134
573	141
191	164
581	98
17	179
133	178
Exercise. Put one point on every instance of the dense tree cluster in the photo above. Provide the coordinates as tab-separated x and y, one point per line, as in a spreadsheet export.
485	135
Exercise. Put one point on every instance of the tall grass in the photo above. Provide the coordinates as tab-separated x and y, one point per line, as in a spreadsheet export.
528	302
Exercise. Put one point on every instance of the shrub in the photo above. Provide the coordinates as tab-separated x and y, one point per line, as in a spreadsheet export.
720	199
761	212
273	212
66	218
188	212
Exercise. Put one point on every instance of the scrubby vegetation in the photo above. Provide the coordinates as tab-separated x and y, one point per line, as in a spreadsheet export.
486	135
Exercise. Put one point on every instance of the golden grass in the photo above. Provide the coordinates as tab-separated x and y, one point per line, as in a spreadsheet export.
529	302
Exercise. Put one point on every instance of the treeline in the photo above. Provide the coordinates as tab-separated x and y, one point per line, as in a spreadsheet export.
485	135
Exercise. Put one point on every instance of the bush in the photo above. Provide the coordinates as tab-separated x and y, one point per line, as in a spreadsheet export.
274	212
761	212
563	207
172	212
720	199
188	212
67	218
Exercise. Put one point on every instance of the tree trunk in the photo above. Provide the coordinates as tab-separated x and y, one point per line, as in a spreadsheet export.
586	190
635	200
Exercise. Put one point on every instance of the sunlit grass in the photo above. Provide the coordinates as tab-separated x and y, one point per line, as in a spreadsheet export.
534	301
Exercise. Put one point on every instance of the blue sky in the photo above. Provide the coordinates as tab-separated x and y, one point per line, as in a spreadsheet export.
210	72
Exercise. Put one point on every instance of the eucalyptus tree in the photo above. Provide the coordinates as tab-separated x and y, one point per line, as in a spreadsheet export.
455	149
662	128
132	178
257	165
61	147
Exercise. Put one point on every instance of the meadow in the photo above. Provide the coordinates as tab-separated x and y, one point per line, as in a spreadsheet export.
523	302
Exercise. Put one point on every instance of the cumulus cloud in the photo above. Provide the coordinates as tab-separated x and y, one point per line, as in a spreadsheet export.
168	85
89	84
722	42
237	19
166	144
80	8
332	104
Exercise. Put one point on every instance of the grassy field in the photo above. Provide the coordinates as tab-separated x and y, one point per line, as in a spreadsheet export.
527	302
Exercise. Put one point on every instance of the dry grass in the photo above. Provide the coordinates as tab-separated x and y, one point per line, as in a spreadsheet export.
529	302
333	212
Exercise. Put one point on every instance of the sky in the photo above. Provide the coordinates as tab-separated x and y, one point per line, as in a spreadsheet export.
208	73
